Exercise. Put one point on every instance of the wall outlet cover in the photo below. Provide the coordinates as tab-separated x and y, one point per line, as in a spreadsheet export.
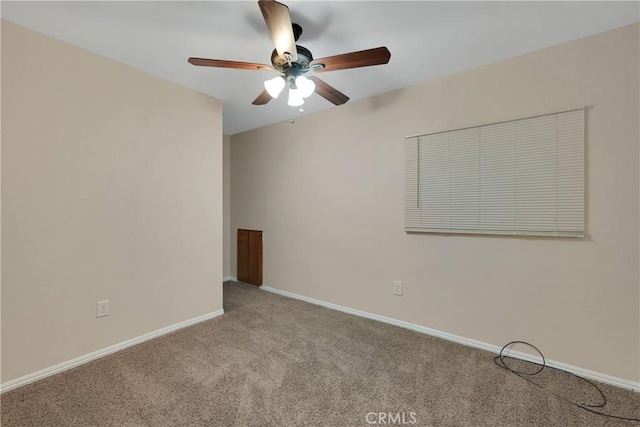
102	308
397	288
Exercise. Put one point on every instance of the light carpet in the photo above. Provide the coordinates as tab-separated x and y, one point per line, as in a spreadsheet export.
275	361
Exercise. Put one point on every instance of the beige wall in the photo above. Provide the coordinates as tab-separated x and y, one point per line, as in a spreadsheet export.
328	193
111	189
226	204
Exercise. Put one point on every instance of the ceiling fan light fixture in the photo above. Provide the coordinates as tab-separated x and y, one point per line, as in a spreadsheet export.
292	61
295	98
305	86
274	86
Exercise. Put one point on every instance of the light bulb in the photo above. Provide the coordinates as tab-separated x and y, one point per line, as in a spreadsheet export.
305	86
274	86
295	99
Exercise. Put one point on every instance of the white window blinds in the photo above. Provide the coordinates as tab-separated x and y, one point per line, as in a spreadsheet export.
522	177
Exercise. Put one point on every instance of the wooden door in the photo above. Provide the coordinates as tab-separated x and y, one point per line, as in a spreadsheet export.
250	256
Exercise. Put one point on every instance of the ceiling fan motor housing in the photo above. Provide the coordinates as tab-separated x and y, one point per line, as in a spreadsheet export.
302	64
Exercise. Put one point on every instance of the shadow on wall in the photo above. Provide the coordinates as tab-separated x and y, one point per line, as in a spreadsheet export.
385	100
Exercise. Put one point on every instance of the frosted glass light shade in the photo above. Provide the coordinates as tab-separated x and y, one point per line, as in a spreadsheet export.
274	86
295	98
305	86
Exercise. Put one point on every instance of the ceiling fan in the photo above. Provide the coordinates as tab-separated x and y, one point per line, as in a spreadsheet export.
294	61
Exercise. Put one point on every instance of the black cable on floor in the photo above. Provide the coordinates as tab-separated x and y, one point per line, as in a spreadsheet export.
499	360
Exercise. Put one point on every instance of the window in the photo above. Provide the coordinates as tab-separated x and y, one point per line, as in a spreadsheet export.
523	177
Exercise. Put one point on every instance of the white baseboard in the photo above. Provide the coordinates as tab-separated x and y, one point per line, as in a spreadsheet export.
597	376
60	367
230	279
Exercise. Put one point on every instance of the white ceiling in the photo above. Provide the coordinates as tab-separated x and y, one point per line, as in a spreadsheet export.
426	39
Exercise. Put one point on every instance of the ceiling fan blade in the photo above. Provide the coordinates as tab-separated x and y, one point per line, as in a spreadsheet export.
278	20
328	92
362	58
221	63
262	99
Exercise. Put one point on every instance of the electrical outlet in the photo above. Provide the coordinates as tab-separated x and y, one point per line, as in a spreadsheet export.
397	288
102	308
